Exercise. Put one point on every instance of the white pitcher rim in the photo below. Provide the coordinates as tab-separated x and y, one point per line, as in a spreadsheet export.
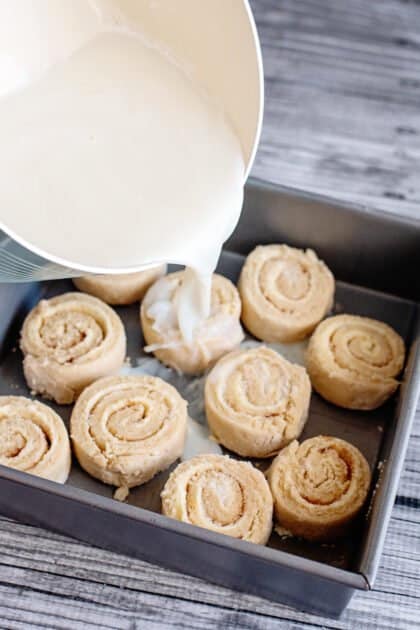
121	270
261	88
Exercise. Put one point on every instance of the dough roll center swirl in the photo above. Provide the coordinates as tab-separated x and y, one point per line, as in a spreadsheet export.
70	335
283	281
130	415
258	386
22	441
215	496
362	346
323	477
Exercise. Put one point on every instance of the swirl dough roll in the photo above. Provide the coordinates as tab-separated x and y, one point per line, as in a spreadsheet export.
126	429
285	292
120	289
33	439
220	494
353	361
68	342
256	401
217	335
318	487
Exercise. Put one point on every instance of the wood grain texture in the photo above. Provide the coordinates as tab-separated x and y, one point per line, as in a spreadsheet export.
343	99
342	118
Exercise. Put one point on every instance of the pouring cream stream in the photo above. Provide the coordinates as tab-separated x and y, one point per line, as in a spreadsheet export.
112	156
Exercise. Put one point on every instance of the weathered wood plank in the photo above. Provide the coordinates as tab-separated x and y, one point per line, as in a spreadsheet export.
73	605
343	99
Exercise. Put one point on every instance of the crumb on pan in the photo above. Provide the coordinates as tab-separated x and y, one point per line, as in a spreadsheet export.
121	494
282	532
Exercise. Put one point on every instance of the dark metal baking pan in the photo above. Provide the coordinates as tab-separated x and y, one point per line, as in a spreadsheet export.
368	250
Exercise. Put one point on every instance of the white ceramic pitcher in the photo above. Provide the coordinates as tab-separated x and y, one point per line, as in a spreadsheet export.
217	39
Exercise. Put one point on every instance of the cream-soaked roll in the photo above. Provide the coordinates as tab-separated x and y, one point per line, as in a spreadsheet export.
285	292
33	439
126	429
353	361
68	342
220	494
256	402
218	334
318	487
120	289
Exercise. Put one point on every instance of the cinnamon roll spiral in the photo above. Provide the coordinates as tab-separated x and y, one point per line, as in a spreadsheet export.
126	429
353	361
256	401
68	342
285	292
220	494
318	487
33	439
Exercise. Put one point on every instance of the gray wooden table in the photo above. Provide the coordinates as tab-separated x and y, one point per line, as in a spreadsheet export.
342	118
